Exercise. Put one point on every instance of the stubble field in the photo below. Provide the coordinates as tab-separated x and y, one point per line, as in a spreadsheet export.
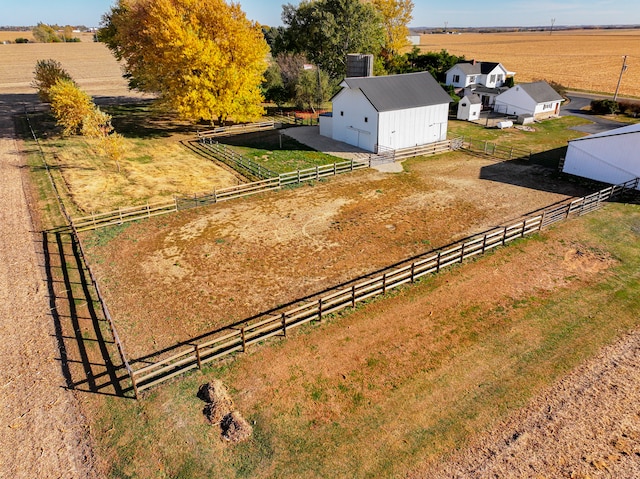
588	60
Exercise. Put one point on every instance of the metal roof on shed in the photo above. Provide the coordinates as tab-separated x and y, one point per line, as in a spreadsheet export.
400	92
540	91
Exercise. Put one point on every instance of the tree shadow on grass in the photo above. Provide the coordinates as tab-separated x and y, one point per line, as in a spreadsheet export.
88	355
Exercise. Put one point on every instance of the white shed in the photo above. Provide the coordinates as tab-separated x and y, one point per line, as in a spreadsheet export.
469	108
537	99
388	112
610	157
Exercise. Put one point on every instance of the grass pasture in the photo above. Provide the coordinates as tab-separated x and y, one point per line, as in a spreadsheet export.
586	60
402	382
204	269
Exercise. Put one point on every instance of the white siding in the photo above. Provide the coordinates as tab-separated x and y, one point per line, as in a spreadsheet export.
355	121
451	74
610	159
415	126
515	101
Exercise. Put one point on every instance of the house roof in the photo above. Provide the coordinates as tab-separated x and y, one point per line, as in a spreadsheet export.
473	99
540	91
476	68
399	92
625	130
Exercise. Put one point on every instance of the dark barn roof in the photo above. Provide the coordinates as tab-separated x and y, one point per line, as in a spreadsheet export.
400	92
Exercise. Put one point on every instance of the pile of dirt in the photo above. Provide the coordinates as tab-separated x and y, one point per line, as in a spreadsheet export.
235	428
219	410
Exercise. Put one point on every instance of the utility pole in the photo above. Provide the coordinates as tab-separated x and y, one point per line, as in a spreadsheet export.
553	21
624	69
445	26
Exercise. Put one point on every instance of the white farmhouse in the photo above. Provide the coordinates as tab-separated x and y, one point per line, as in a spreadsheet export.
388	112
485	79
468	74
610	157
536	99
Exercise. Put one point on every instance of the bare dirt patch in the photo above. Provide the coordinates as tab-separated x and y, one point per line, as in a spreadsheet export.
177	277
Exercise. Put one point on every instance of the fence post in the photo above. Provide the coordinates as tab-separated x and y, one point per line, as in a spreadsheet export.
413	272
120	214
524	227
353	296
438	262
317	173
244	341
504	236
320	309
298	176
484	243
135	386
215	196
544	213
384	283
352	164
198	356
284	325
462	253
334	169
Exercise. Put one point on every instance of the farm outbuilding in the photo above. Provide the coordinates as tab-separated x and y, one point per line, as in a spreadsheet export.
469	108
610	157
537	99
388	112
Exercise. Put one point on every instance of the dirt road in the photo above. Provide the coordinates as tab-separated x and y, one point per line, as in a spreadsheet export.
43	431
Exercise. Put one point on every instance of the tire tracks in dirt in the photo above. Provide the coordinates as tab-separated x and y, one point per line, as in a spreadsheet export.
43	430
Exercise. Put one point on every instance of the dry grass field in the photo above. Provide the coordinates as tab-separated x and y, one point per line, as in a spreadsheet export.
588	60
200	270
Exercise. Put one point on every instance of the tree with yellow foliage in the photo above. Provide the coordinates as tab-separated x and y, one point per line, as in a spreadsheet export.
396	15
203	58
70	105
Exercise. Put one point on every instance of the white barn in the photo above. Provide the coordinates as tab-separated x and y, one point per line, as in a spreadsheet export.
388	112
610	157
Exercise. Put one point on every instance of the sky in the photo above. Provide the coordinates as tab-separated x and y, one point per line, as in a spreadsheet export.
426	13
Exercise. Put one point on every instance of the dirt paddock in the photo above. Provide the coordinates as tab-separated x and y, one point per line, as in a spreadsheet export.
174	278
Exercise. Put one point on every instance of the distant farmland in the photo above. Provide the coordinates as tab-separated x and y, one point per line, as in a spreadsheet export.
588	60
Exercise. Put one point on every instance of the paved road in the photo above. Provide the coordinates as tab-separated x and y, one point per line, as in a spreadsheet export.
574	107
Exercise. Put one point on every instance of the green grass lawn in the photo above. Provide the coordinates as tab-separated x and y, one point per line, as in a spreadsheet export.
277	151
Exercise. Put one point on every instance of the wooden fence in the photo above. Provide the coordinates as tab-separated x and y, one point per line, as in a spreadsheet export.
387	155
239	338
134	213
241	164
496	151
85	263
270	180
237	129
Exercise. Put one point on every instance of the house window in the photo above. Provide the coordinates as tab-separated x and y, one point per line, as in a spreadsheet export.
456	78
366	119
548	106
341	113
499	78
472	79
493	79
